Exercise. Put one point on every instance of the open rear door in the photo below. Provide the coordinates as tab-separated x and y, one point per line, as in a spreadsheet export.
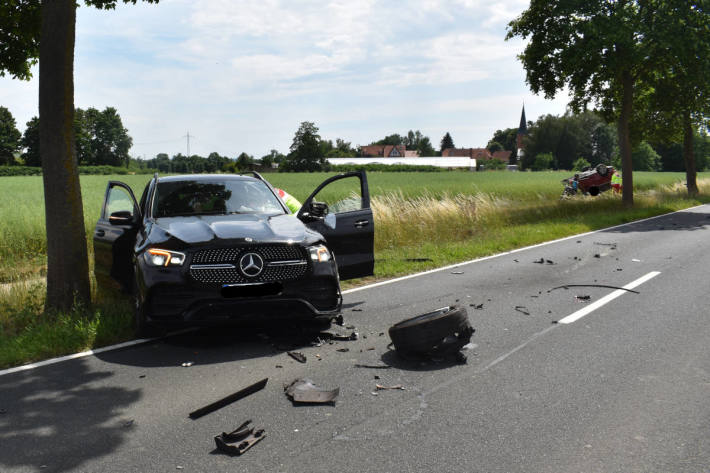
115	236
349	230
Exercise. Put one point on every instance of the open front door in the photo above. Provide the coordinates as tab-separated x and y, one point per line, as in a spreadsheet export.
349	229
115	236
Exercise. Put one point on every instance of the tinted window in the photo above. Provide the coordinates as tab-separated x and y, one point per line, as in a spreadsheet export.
198	197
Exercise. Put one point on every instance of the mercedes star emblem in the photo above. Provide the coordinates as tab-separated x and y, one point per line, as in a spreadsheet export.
251	265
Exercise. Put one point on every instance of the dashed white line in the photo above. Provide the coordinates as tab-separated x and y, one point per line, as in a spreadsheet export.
606	299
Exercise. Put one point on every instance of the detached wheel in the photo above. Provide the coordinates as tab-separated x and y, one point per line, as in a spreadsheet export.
442	331
602	170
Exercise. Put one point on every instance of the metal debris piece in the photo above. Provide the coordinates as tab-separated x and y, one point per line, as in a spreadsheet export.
567	286
246	436
583	298
300	357
522	309
303	390
187	364
339	335
374	367
379	387
229	399
636	260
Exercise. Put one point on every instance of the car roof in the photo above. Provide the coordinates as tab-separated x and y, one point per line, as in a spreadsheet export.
206	177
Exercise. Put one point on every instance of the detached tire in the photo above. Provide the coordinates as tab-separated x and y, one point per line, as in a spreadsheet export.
443	331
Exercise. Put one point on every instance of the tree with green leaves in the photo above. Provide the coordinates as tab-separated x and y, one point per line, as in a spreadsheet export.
30	143
679	39
44	31
597	49
10	137
446	142
506	138
245	162
306	153
273	157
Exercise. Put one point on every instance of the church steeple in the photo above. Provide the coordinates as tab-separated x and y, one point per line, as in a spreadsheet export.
522	131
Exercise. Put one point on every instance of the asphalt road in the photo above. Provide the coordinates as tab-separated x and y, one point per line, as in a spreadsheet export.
624	388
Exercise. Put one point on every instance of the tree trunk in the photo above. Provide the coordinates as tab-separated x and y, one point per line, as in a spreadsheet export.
624	132
688	156
67	259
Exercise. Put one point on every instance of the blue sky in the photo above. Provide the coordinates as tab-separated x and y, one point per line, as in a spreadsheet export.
242	75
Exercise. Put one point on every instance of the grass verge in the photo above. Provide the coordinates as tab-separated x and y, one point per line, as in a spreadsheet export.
413	233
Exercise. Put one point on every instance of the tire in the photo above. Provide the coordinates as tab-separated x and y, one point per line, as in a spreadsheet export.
594	191
602	170
440	332
143	329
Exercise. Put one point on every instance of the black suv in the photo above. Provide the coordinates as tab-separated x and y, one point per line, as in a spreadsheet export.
203	249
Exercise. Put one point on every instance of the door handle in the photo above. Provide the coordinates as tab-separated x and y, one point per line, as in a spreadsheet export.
361	223
100	233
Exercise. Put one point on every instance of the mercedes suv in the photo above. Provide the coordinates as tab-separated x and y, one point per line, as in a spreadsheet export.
205	249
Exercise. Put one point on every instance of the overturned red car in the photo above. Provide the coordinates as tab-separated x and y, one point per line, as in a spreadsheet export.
590	181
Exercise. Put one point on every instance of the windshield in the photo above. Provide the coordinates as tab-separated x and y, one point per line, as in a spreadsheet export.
214	197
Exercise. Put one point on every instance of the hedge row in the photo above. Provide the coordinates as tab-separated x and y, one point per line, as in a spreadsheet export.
103	170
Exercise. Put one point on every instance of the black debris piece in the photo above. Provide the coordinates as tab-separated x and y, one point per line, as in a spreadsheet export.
567	286
298	356
377	377
434	335
583	298
339	320
522	309
128	423
356	310
597	255
373	367
579	241
476	306
343	350
303	390
339	335
245	437
516	261
258	386
549	261
540	261
535	296
619	269
554	322
142	376
418	260
278	366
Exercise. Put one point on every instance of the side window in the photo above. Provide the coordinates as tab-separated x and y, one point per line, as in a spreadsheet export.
118	200
343	195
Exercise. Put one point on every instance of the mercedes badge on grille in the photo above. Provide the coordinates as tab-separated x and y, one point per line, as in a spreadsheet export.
251	265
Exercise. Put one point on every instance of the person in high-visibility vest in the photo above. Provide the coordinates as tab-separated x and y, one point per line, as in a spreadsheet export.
291	202
616	181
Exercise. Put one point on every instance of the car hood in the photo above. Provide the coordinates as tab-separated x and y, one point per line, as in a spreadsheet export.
240	227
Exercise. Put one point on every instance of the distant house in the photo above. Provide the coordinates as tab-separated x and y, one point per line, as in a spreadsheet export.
502	155
384	151
411	154
475	153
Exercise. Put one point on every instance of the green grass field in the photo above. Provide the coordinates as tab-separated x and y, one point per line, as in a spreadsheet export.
440	218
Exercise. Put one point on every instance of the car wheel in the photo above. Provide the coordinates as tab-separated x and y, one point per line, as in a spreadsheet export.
440	332
143	328
602	170
594	191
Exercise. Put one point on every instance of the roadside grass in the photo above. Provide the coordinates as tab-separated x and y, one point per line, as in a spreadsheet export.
422	222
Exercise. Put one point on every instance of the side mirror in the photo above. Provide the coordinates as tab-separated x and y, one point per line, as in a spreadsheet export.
122	217
318	209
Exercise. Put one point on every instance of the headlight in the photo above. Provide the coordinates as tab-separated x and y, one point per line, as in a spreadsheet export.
158	257
319	253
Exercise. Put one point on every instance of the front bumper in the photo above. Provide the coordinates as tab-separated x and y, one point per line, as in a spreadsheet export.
172	296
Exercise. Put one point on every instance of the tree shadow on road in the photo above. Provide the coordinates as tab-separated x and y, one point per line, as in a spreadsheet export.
60	423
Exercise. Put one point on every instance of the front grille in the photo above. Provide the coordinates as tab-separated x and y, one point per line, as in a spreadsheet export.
281	263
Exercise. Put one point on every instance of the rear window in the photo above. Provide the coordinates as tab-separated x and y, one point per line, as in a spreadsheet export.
218	197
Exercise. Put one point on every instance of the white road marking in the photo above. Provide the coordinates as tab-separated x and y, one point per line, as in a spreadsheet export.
606	299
